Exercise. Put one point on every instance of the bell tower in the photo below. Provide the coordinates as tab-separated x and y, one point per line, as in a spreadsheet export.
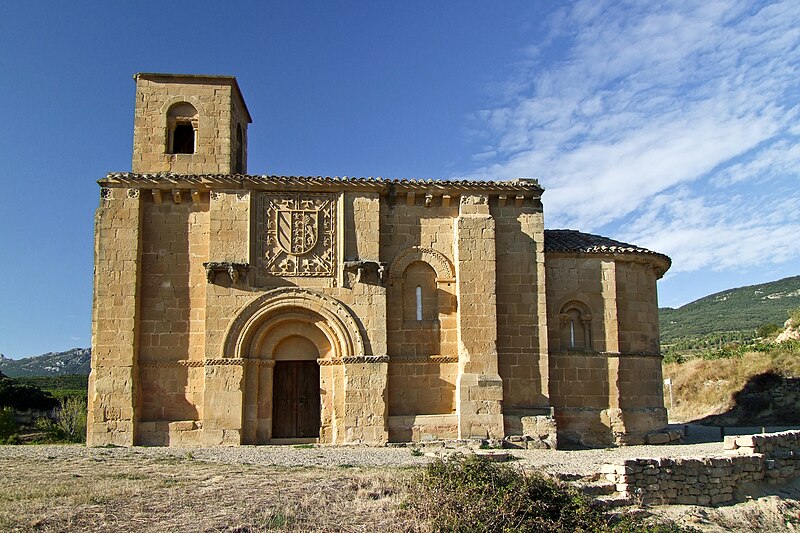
189	124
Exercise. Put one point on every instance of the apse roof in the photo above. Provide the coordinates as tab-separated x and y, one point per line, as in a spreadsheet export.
573	241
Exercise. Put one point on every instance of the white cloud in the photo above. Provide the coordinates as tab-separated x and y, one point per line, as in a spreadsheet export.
672	124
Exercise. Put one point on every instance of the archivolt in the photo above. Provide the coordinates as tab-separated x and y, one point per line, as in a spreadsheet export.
338	324
582	308
437	260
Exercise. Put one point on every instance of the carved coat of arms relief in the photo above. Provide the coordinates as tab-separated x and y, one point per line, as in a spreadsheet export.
297	234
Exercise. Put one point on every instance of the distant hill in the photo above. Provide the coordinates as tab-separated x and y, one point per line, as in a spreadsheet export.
734	310
75	361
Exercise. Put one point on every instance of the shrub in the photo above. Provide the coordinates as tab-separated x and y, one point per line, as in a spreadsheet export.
8	426
21	396
71	419
794	317
470	494
674	358
767	330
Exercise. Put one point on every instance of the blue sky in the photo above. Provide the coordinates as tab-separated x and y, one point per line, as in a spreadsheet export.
672	125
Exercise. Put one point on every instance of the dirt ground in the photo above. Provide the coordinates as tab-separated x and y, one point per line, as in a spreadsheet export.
72	488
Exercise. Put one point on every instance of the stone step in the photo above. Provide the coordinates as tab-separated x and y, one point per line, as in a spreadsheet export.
614	500
572	476
497	456
596	488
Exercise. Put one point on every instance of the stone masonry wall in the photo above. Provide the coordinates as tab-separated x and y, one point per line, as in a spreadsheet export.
610	391
218	107
479	389
173	283
521	352
112	382
637	308
771	457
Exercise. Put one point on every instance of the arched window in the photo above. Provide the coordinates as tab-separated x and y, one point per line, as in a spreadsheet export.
182	129
576	326
420	298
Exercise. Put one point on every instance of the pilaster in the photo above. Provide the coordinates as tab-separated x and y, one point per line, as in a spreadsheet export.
365	410
115	323
229	228
479	388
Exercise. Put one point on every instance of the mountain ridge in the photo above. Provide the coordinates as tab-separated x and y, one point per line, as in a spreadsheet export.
740	309
73	361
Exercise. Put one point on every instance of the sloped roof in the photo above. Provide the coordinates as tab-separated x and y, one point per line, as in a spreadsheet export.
210	181
573	241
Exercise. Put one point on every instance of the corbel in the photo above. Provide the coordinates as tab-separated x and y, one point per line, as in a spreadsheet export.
518	200
157	196
410	198
428	200
446	200
195	196
501	200
359	267
176	196
234	270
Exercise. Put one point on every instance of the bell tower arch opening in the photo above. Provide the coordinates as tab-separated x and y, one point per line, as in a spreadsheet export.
182	124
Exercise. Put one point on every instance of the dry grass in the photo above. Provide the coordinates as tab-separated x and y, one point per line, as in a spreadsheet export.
706	387
146	494
80	489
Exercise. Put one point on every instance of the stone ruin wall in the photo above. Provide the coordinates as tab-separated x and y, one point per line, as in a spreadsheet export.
772	458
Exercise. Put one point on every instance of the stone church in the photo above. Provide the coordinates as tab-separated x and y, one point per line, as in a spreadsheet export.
232	308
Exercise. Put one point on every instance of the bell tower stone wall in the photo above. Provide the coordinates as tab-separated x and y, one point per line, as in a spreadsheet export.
188	124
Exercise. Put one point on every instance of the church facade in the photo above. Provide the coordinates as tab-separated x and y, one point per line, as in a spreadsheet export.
233	309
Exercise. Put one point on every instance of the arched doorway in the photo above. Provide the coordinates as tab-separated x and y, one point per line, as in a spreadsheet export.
293	341
295	389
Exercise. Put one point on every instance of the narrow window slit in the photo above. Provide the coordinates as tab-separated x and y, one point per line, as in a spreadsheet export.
572	333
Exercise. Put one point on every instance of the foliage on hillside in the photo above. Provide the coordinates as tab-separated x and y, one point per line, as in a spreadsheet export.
67	412
707	384
22	396
729	313
61	387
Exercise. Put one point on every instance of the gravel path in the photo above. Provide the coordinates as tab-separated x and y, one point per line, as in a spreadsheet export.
702	441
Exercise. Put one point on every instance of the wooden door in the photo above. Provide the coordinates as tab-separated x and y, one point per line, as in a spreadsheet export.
295	411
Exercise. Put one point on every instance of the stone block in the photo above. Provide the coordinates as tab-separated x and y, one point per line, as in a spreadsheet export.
657	438
729	443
